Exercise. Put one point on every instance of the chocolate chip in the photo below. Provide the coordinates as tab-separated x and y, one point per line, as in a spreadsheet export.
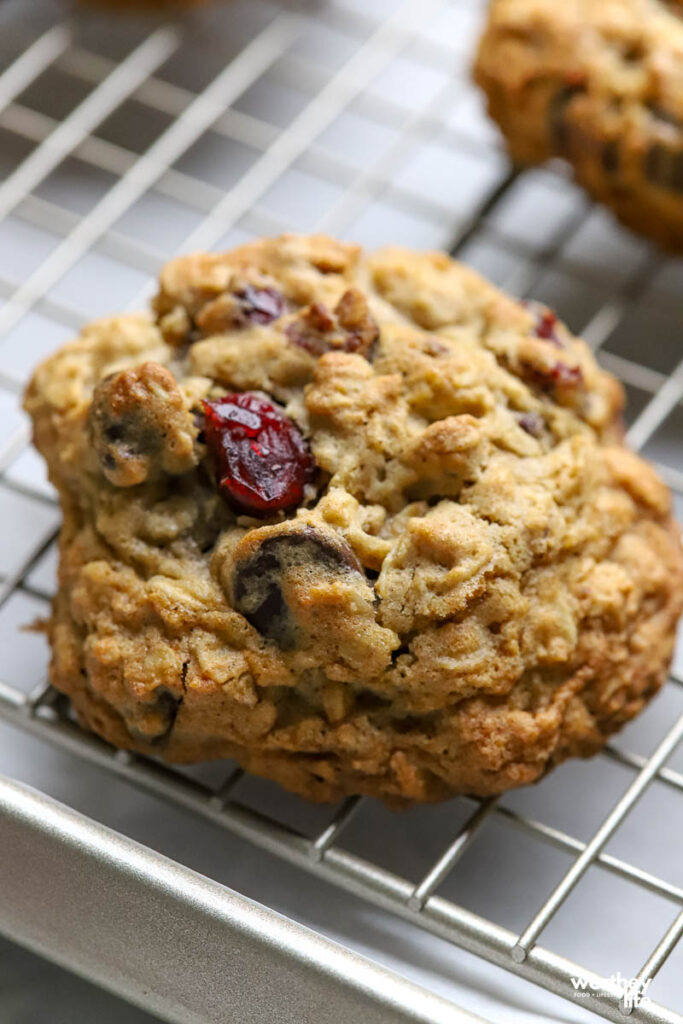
633	51
663	115
258	576
126	440
560	130
664	166
140	427
610	156
398	652
545	325
159	717
568	136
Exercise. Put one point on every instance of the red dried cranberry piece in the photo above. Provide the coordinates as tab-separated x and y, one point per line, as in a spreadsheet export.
260	305
546	322
350	328
556	378
237	309
567	376
262	461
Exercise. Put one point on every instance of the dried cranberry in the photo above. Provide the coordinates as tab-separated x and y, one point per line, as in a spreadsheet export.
262	460
545	324
532	423
350	328
557	377
562	130
233	310
260	305
566	376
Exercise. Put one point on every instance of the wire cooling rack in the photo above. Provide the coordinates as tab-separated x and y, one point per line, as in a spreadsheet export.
126	139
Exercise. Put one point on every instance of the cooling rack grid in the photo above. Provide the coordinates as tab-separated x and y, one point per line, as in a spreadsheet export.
125	140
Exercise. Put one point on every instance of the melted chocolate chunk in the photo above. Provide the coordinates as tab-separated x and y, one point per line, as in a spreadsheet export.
257	580
611	156
663	166
160	715
560	130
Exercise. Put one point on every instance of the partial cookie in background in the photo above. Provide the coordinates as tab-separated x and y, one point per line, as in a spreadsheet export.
601	85
360	522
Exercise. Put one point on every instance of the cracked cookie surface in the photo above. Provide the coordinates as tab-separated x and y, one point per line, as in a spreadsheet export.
477	579
598	84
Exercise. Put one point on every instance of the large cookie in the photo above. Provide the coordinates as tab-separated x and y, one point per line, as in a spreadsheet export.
362	523
599	83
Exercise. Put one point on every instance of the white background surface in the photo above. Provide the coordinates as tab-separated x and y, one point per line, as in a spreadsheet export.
409	161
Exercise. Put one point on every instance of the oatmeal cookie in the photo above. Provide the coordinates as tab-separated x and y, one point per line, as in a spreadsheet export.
360	522
600	85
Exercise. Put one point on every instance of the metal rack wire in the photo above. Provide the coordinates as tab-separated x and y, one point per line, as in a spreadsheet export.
398	71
